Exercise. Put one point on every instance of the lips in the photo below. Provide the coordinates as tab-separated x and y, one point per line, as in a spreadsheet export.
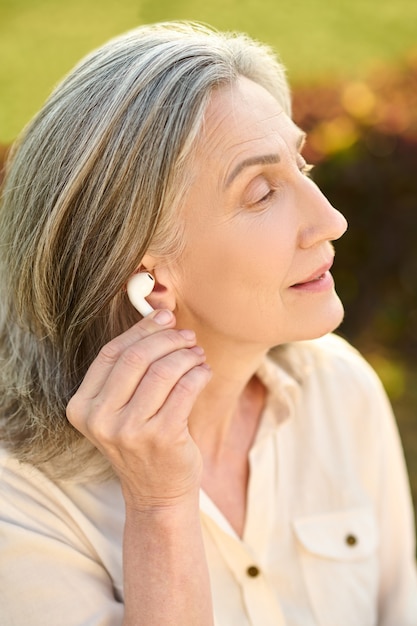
316	276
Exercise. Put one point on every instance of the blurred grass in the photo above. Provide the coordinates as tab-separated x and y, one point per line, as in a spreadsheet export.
40	40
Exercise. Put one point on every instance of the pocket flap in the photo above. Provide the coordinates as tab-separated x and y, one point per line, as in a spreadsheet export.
343	535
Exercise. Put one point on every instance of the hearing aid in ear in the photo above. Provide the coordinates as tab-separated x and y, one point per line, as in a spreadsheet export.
138	287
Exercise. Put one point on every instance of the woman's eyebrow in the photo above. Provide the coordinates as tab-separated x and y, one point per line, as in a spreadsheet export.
263	159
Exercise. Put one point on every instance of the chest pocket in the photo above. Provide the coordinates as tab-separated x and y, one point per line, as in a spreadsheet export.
338	553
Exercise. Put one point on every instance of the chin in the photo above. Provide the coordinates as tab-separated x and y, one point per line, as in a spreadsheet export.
322	322
331	319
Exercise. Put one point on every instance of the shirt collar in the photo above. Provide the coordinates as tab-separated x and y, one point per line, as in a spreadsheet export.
277	373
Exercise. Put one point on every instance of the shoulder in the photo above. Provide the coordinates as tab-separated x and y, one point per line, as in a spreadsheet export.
24	490
78	514
340	406
330	357
333	375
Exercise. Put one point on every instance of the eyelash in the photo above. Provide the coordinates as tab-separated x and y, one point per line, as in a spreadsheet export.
305	169
266	197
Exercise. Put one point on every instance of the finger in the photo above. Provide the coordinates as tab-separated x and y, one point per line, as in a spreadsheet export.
151	367
102	365
173	416
104	423
166	426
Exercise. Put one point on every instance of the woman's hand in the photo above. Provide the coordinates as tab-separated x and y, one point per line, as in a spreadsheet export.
133	405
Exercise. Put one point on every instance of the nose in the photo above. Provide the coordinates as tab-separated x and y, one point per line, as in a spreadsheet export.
321	221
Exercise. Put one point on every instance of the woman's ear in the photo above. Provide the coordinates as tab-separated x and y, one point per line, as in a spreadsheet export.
163	295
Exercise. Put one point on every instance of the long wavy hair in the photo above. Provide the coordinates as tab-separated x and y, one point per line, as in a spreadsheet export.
94	182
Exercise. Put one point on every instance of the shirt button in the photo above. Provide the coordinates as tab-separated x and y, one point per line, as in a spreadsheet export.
253	571
351	540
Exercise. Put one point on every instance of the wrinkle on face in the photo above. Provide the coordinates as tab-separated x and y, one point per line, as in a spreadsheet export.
241	257
223	138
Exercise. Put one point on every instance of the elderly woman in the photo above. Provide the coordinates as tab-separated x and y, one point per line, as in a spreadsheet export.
223	460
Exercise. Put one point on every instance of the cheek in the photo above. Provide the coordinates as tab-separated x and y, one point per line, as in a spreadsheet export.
262	250
237	264
212	269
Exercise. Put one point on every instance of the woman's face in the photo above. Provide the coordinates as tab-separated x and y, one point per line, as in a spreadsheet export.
258	231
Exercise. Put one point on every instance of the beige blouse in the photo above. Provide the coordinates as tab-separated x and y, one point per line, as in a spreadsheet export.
328	539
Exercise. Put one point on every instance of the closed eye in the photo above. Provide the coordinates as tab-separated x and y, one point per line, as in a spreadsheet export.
268	196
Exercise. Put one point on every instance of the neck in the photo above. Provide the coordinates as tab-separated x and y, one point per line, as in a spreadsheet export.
226	413
225	419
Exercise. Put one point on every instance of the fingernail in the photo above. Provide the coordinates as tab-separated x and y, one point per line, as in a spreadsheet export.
187	334
198	350
163	317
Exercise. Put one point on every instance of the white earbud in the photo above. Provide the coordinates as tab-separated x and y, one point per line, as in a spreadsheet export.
138	287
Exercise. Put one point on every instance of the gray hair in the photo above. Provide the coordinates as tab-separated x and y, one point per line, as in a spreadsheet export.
94	182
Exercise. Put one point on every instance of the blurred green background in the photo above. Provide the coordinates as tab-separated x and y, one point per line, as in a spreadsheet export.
40	40
353	68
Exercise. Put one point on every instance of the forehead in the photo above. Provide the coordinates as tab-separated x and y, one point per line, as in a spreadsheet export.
244	120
